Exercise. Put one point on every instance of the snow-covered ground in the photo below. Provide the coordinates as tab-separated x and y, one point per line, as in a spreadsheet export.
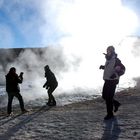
76	121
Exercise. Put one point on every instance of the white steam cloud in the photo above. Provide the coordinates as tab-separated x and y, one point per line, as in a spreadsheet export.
79	31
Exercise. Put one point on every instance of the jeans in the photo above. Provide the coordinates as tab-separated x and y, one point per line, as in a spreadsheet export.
11	95
108	95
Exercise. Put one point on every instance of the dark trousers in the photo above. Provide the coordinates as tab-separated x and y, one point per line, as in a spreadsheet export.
108	95
50	91
11	95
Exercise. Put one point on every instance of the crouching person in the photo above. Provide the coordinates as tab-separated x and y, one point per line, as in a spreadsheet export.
51	84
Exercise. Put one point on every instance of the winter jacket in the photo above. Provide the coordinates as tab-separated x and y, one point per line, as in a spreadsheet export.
109	69
51	79
12	82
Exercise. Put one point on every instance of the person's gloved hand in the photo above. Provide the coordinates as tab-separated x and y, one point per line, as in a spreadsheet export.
21	74
113	76
101	67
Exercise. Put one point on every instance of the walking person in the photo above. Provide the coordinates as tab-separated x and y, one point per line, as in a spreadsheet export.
112	72
13	89
51	84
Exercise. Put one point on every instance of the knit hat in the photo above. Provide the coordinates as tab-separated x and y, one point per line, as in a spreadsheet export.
111	48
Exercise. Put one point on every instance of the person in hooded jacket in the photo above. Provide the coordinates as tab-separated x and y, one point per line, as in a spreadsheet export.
111	79
51	84
13	89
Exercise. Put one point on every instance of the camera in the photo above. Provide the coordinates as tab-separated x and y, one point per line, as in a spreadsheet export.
21	74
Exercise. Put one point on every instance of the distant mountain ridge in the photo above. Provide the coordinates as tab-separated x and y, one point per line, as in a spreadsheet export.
10	54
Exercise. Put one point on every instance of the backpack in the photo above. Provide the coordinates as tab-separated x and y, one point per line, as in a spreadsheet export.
119	63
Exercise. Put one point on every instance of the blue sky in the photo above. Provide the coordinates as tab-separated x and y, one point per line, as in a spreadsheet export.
32	23
22	24
12	18
134	5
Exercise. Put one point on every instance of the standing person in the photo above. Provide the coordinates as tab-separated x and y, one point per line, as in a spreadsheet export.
13	89
112	72
51	84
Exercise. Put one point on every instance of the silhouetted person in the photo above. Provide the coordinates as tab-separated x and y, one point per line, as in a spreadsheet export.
13	89
51	84
111	78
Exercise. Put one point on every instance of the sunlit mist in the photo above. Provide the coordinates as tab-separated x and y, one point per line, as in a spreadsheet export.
90	26
78	32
